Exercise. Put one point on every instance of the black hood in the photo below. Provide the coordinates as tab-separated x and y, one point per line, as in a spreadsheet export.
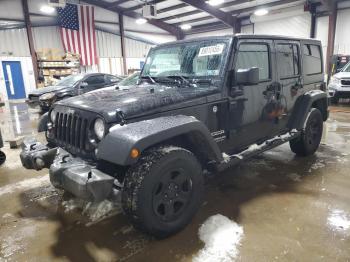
137	100
48	89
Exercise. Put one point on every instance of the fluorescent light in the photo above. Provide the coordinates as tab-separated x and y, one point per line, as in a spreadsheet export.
141	21
185	27
215	2
47	9
261	12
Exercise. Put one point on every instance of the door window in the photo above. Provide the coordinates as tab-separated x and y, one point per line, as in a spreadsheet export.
95	80
288	60
254	55
312	59
112	79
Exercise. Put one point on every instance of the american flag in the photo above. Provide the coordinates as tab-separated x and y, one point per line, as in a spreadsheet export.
77	30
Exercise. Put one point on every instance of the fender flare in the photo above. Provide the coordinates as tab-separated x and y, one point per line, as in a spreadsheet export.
119	142
303	105
42	125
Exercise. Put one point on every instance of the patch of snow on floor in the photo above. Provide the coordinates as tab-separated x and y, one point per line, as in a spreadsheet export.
339	220
319	164
25	185
221	237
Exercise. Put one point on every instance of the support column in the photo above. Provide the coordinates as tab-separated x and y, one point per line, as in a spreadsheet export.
238	27
313	20
122	41
331	35
30	39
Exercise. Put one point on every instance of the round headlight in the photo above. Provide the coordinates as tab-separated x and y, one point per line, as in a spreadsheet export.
53	116
99	128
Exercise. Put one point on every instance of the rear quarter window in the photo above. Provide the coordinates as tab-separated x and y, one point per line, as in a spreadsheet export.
312	59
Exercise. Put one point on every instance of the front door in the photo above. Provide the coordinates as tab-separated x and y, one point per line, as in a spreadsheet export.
13	79
249	117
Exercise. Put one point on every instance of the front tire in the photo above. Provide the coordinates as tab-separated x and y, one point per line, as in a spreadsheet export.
309	140
163	191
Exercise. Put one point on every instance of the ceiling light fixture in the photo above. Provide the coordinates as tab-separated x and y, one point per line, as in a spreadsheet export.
185	27
47	9
141	21
261	12
215	2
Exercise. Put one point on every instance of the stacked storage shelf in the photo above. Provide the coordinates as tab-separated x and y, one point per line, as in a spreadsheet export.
53	70
54	65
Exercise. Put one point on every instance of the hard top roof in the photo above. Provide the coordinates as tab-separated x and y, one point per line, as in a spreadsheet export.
242	36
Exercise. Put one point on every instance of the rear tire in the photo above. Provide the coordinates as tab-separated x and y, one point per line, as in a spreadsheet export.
163	191
309	140
2	157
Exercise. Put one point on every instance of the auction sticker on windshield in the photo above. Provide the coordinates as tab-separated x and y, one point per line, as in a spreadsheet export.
211	50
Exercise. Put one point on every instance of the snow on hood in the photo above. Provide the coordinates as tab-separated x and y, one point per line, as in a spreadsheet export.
135	100
221	237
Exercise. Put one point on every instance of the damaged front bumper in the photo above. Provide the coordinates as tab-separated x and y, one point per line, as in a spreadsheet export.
67	172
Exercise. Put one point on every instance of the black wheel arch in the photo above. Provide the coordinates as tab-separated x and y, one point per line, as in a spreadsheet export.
184	131
312	99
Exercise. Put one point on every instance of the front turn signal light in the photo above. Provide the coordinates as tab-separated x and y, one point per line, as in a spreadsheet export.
134	153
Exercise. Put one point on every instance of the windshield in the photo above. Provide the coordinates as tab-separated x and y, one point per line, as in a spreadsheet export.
204	59
130	80
69	80
346	68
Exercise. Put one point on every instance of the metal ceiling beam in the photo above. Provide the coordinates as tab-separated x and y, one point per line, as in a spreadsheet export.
224	17
238	11
166	27
172	8
117	3
136	7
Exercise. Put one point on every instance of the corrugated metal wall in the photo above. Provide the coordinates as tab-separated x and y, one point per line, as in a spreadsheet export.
47	37
342	43
136	49
108	45
298	26
14	42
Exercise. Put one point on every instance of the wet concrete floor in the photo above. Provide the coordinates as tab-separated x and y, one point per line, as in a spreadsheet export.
286	208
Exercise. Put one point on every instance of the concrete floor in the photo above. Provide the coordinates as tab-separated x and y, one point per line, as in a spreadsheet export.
286	209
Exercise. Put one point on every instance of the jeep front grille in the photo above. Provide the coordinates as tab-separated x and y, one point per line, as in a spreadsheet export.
71	132
345	82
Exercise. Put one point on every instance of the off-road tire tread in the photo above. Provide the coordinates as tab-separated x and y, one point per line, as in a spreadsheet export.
297	145
133	181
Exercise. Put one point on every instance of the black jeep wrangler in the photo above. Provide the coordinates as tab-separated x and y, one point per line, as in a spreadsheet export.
203	104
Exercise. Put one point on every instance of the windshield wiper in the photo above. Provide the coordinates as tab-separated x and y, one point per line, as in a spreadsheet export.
150	78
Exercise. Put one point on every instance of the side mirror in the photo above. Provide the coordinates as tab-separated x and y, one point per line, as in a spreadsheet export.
83	84
247	77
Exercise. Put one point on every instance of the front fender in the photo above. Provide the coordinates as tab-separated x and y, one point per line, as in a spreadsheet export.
119	142
44	119
303	105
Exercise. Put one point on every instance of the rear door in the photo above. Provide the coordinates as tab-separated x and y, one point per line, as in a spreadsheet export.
290	81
